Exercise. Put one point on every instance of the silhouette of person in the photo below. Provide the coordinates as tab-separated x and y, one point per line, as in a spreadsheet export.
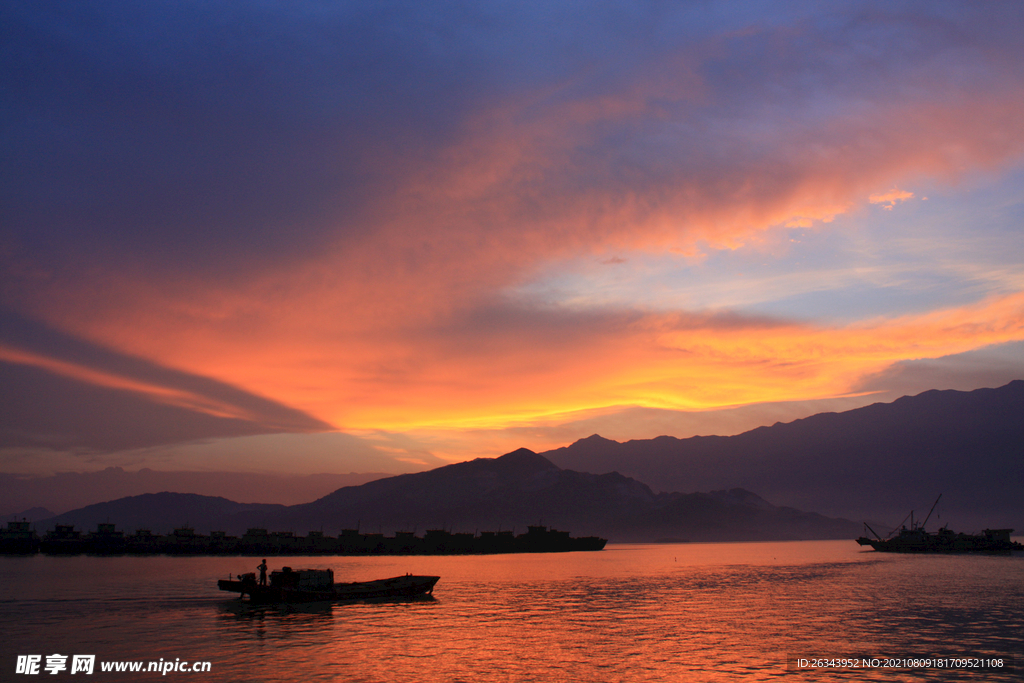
263	572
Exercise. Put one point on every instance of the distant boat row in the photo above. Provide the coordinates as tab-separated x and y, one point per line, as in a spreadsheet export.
64	539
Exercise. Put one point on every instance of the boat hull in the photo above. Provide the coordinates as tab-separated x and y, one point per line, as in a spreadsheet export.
396	587
945	541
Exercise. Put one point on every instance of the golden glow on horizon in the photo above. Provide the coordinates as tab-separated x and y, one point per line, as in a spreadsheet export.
651	363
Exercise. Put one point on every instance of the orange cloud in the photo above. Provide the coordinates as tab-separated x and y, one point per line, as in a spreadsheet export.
380	334
662	361
791	362
496	368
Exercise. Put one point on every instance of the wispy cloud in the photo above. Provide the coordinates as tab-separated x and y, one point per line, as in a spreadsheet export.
891	198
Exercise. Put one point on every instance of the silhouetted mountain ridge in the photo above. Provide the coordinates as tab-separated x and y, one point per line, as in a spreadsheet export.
873	462
878	461
512	491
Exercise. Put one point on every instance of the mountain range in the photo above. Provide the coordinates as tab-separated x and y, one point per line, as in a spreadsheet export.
873	463
876	462
509	492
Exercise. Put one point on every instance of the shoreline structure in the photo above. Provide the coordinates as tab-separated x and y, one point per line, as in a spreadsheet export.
19	538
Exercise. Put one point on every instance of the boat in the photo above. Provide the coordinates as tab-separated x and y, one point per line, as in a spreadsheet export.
917	540
63	539
107	540
317	585
541	539
18	539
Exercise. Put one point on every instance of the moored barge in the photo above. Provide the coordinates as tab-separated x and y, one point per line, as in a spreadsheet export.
18	538
916	539
107	540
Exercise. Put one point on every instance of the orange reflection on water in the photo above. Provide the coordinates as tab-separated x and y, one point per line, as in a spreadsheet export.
631	613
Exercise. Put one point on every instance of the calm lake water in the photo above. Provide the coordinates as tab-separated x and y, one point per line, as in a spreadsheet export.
701	612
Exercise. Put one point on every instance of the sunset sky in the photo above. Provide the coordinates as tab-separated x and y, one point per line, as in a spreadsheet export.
381	237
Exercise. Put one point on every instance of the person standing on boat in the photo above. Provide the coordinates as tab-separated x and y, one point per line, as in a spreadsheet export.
263	572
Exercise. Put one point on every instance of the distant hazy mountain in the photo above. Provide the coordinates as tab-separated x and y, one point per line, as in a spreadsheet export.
876	462
162	512
512	491
72	490
32	515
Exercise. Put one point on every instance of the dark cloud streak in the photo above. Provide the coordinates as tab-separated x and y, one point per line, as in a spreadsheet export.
41	408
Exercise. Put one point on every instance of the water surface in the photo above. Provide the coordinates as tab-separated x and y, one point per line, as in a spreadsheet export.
702	612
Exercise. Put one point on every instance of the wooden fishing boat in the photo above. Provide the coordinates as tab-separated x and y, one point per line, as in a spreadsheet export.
317	585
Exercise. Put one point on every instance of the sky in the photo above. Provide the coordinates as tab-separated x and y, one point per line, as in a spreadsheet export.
381	237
